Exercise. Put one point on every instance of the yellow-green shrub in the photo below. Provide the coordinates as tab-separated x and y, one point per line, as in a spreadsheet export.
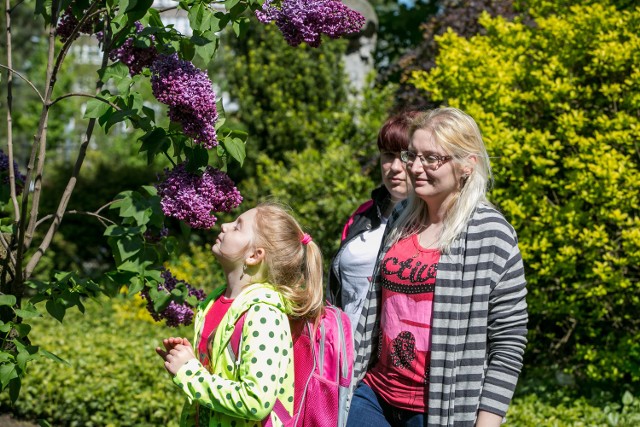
559	106
114	377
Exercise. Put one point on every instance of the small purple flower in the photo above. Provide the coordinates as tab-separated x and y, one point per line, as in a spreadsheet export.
136	58
192	198
188	93
4	173
306	20
154	236
175	314
68	22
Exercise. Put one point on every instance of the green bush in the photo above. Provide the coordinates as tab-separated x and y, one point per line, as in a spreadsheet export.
114	377
324	187
558	103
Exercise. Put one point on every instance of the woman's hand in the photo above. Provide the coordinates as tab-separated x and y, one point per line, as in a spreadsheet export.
487	419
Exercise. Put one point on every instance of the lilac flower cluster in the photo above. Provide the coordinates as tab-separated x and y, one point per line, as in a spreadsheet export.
175	314
188	93
136	58
306	20
4	172
192	198
154	235
68	22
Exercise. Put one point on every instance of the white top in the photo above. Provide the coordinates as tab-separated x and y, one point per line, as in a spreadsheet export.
357	261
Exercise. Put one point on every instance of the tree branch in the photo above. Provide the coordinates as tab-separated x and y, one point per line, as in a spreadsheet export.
7	247
66	195
100	218
11	70
86	95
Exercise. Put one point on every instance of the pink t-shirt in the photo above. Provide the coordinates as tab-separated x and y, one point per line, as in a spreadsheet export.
211	321
401	375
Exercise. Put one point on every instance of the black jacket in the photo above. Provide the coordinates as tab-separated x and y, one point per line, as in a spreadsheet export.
366	217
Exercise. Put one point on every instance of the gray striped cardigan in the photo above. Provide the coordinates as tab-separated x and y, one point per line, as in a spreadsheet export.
479	322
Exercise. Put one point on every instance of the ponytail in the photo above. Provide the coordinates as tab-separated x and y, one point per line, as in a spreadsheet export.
293	260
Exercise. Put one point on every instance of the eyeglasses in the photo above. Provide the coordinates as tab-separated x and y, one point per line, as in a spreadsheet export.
430	161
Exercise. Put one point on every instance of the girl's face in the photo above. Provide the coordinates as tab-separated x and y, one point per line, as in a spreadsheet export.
394	175
235	239
436	182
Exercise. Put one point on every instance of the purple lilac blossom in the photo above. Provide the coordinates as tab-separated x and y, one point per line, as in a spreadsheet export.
136	58
188	93
68	22
175	314
154	235
306	20
4	173
192	198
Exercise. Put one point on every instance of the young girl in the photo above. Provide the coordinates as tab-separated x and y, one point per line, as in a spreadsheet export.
273	270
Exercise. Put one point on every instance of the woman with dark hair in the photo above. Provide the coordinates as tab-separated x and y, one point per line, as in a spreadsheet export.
442	331
352	267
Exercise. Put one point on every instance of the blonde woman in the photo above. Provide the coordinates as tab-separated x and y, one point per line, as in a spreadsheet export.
442	333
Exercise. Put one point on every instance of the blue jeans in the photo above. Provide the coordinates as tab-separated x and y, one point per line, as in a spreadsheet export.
369	410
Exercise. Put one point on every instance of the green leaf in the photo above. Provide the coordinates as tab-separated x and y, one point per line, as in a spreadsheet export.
53	357
135	286
160	299
96	109
196	16
56	310
28	312
150	190
14	389
187	48
128	247
137	9
197	156
117	117
25	356
207	51
116	71
223	20
240	26
9	300
229	4
22	329
154	143
43	423
236	149
7	373
5	327
154	18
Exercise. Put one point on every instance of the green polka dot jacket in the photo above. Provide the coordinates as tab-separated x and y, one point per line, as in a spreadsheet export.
241	393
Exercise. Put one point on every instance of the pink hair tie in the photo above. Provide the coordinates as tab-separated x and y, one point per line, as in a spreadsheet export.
305	239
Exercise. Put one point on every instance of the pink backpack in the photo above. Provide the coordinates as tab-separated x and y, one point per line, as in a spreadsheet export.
323	366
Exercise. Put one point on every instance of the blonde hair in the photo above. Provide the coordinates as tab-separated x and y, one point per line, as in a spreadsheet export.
459	136
294	268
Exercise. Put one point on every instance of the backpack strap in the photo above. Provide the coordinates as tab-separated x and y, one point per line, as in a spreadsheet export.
345	230
234	348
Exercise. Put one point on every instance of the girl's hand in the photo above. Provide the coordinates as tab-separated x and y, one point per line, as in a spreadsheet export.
177	357
170	343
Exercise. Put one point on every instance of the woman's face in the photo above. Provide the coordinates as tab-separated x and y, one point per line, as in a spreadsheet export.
394	175
435	182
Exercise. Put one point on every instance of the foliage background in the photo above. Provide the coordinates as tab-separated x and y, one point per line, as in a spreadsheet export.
559	104
555	87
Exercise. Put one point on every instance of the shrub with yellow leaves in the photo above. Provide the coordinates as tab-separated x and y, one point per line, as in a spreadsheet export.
559	106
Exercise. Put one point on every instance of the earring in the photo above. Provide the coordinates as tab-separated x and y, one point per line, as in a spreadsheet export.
244	270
